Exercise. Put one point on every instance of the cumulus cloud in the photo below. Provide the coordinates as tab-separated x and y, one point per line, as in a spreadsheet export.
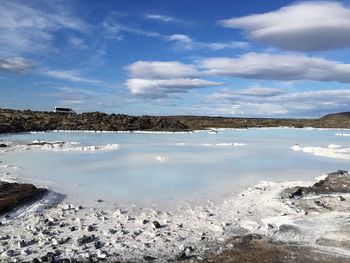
156	79
27	28
161	70
15	64
163	87
299	103
286	67
304	26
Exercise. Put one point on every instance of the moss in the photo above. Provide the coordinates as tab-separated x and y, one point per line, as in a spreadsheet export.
23	121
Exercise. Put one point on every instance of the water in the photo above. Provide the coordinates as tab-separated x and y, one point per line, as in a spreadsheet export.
163	168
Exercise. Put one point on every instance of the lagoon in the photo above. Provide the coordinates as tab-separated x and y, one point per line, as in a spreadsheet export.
162	169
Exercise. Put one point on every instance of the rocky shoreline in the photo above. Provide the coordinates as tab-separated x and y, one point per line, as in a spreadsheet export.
12	121
13	195
324	210
271	222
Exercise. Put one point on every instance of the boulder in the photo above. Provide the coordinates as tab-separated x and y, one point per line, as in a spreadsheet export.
13	195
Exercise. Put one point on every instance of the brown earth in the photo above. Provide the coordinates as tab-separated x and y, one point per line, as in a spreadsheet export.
254	248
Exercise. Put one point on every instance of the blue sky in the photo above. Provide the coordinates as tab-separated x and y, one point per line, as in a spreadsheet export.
229	58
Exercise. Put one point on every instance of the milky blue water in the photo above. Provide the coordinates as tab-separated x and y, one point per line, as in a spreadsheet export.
193	172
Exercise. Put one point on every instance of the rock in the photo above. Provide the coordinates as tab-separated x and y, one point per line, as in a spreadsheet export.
49	257
298	192
90	228
26	252
65	260
149	258
8	253
182	256
35	260
13	195
340	198
85	239
21	243
98	244
322	204
156	224
101	254
3	145
54	242
188	250
284	228
79	207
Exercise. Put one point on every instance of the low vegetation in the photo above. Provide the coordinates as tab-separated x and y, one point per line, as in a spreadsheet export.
27	120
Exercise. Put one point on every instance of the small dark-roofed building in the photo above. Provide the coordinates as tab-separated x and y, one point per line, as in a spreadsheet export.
63	110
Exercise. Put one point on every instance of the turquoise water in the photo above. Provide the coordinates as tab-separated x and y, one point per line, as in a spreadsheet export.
193	172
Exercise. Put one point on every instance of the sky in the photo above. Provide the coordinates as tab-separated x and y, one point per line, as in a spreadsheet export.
176	57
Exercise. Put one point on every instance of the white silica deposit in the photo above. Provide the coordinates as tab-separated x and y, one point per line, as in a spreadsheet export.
331	151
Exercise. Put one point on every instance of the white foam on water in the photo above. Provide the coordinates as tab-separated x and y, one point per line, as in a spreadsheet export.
342	134
160	158
230	144
334	146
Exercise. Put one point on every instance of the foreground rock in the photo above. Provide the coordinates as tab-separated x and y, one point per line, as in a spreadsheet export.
337	182
315	229
13	195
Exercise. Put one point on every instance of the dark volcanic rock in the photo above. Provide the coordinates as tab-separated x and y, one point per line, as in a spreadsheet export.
13	195
85	239
156	224
337	182
24	121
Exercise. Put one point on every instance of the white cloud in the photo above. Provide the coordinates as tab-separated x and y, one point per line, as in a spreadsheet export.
27	28
161	70
304	26
257	109
15	64
70	76
285	67
161	18
114	29
156	79
78	42
224	45
187	43
163	87
300	103
258	91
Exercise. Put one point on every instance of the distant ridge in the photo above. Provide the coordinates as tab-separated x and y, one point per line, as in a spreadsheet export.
12	121
337	116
